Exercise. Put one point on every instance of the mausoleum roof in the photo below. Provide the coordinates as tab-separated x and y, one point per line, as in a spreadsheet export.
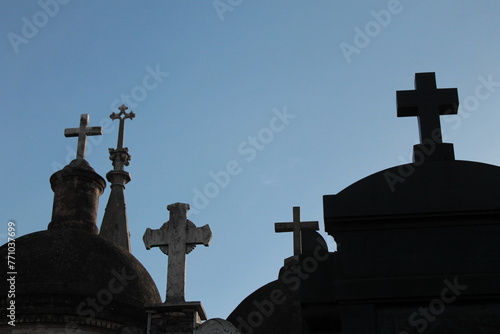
434	187
69	275
435	183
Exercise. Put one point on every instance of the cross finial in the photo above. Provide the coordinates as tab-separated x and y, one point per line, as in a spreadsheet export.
129	115
122	108
120	155
176	238
427	102
82	132
296	226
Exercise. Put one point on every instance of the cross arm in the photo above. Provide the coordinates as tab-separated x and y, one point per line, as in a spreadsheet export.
288	227
90	131
409	101
199	235
154	238
448	101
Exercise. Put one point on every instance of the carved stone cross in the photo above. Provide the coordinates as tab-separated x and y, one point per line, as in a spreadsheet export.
296	226
427	103
120	155
176	238
82	132
121	129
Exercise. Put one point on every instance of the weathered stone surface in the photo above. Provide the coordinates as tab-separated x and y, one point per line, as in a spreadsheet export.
176	238
175	318
77	188
114	225
129	115
120	156
115	222
82	132
216	326
76	280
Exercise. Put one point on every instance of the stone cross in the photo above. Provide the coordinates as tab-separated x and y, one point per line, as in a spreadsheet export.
427	103
121	129
120	155
82	132
176	238
296	226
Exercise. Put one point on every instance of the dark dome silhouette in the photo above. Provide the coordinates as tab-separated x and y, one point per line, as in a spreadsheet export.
436	186
71	276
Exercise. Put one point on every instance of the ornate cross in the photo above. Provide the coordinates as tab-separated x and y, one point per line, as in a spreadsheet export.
121	129
296	226
82	132
427	103
120	155
176	238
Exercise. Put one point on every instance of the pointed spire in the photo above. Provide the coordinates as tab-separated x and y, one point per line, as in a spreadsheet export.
115	223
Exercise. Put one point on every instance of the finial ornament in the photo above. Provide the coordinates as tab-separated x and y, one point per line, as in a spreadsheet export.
120	155
114	225
82	132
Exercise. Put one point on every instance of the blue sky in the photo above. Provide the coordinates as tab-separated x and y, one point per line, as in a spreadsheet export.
264	86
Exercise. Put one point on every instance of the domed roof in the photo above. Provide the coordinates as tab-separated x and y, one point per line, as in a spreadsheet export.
435	184
276	306
273	308
434	187
70	276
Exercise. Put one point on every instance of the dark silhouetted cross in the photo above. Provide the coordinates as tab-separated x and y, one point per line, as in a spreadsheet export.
296	226
427	103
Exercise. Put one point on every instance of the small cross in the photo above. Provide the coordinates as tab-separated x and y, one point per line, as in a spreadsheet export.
82	132
121	128
296	226
176	238
427	103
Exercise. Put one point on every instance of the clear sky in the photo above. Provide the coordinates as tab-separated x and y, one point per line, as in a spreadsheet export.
295	98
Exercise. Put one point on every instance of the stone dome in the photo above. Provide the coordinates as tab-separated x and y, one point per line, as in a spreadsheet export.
72	278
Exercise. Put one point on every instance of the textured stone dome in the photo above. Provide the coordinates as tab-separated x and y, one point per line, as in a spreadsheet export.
72	277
